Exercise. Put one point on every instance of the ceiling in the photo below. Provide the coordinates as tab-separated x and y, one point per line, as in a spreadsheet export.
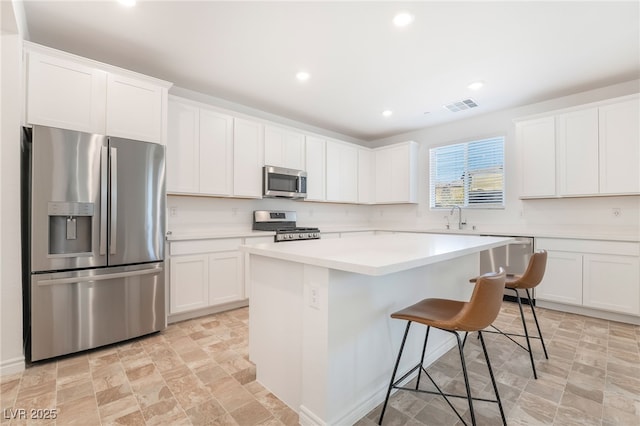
360	63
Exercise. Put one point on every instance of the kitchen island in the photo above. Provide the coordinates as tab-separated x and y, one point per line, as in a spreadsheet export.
320	332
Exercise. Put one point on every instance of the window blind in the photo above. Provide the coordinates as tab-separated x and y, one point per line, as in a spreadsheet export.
469	174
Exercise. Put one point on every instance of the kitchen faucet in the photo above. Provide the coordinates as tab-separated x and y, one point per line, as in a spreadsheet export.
460	222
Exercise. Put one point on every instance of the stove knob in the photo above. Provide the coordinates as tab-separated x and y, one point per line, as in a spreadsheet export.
304	236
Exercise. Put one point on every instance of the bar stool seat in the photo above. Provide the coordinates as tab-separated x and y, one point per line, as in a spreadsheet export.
453	316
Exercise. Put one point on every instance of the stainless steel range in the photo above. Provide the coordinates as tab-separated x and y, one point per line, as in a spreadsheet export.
284	223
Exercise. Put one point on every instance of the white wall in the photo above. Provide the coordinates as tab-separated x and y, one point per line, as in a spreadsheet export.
580	213
11	352
207	212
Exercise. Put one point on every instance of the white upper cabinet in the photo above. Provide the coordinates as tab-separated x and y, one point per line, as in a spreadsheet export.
183	148
216	153
71	92
577	139
283	148
366	178
537	142
315	166
396	173
134	108
595	150
248	158
199	150
620	147
65	94
342	172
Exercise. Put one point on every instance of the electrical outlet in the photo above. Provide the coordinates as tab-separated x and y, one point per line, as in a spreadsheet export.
314	297
173	211
617	211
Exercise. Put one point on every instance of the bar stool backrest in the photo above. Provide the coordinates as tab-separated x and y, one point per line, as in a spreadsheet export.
485	303
534	273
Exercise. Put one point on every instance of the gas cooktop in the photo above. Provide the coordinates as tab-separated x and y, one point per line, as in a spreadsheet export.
284	224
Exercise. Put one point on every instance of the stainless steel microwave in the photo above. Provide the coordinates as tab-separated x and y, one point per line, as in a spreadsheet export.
284	183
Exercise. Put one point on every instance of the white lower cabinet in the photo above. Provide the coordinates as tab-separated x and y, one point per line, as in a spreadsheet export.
611	283
225	277
603	275
189	283
205	273
562	281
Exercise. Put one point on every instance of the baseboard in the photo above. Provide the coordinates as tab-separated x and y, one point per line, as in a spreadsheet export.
376	397
308	418
589	312
182	316
12	366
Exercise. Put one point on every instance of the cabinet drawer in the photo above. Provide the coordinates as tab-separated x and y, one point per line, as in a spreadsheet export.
624	248
204	246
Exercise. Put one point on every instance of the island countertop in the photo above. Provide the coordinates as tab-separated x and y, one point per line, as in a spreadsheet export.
377	255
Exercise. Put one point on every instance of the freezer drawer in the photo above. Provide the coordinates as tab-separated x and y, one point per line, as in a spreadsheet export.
74	311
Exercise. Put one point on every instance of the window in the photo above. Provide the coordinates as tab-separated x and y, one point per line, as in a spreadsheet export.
469	174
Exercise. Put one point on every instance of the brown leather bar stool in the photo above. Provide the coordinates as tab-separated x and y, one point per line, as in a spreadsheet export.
453	316
529	280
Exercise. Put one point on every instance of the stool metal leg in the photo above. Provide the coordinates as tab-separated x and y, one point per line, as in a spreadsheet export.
466	378
535	317
395	370
424	349
526	333
393	384
493	380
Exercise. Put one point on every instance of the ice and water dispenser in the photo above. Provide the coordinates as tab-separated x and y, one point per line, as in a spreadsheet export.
70	227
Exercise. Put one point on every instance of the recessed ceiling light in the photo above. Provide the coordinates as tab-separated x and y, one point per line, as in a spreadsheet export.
476	85
303	76
402	19
128	3
387	113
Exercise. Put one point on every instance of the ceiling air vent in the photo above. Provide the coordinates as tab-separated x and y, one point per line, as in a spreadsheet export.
461	105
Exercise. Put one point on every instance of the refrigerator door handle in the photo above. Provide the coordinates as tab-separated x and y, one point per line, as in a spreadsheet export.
73	280
114	200
104	176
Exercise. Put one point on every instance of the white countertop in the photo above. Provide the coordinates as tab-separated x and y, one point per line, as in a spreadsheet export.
538	232
377	254
215	233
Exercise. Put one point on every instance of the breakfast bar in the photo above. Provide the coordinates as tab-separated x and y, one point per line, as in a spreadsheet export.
320	334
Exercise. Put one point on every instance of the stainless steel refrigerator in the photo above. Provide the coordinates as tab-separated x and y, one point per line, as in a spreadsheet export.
93	220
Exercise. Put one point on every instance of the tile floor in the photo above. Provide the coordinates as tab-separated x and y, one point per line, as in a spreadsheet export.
197	372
